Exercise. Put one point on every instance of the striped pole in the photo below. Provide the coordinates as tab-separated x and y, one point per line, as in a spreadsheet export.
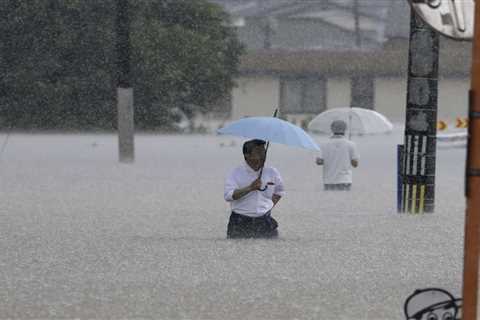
418	190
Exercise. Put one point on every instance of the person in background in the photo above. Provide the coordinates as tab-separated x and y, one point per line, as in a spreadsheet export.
338	156
252	191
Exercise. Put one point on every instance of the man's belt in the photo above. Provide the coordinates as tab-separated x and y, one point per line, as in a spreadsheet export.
250	219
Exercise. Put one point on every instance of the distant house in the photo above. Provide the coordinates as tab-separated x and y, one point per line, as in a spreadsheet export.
308	56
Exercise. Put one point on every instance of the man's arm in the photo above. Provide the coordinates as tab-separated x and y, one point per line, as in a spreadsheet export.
279	190
276	198
353	155
241	192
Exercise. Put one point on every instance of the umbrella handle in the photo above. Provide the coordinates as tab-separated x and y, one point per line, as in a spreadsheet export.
266	149
261	169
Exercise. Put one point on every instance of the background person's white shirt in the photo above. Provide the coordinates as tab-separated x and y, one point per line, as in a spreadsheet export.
255	203
337	155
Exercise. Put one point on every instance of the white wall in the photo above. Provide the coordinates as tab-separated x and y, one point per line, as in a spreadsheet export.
259	96
390	98
255	96
338	93
453	99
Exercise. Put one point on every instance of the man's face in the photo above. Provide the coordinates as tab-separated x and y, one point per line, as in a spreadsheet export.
256	158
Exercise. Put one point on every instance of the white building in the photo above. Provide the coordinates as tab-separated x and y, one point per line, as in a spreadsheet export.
307	56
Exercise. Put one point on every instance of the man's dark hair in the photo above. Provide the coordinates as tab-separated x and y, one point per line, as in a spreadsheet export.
338	127
250	144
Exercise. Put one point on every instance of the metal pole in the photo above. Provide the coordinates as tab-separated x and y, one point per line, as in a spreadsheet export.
266	150
125	110
267	42
399	177
421	118
472	184
358	42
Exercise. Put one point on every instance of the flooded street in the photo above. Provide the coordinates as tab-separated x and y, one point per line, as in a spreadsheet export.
83	236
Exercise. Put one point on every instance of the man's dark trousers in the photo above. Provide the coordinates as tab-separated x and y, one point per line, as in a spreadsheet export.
240	226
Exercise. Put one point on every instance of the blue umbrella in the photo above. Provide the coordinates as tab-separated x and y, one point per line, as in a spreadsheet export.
270	129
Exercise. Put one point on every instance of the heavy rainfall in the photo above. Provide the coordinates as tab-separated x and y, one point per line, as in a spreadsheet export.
113	172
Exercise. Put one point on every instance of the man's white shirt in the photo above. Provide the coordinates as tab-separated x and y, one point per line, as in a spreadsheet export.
255	203
337	154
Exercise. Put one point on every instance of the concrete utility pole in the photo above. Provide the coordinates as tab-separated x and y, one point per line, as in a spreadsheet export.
125	110
418	176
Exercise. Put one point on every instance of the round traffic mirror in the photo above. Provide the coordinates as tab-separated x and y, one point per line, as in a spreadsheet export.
452	18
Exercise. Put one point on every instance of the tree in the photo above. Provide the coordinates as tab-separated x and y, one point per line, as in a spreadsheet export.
185	56
55	64
57	61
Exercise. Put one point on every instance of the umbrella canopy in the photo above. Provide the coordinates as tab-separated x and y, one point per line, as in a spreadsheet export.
359	121
270	129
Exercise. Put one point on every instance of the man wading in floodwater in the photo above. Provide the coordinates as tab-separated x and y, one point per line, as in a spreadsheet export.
252	193
339	156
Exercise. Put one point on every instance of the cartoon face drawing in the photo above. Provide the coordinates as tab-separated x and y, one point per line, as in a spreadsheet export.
439	314
432	304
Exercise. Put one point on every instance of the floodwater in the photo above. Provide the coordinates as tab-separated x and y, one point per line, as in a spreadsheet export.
83	236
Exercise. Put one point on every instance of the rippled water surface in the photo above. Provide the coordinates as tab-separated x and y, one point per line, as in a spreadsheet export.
82	236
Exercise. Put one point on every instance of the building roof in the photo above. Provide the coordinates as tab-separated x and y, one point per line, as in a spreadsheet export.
392	60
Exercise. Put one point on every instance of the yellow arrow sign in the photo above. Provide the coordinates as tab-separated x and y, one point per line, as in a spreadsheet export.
441	125
461	122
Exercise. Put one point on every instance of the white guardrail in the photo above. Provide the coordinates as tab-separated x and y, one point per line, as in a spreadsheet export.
452	140
451	137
